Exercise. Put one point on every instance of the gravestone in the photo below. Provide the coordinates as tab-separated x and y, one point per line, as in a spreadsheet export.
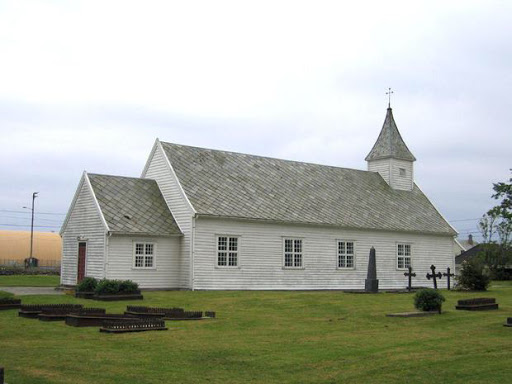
371	283
448	275
434	275
410	274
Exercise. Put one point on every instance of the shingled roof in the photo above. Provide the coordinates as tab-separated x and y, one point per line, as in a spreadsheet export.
390	144
227	184
133	206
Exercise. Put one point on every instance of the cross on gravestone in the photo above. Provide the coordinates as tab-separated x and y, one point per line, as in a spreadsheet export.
410	274
448	275
434	275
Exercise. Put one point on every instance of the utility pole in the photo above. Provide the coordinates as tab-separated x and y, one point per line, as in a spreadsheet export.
34	195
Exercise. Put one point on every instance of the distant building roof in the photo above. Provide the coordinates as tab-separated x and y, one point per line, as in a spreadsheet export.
235	185
468	243
133	205
390	144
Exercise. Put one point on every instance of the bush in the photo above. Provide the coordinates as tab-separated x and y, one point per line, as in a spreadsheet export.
6	295
472	276
501	274
128	286
87	285
107	287
111	287
428	300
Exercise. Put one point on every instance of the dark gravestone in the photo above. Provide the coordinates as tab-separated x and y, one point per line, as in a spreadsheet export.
410	274
448	275
1	375
371	283
434	275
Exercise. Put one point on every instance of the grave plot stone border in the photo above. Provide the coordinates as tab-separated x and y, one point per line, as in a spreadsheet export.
151	311
60	314
169	313
10	304
95	320
134	325
119	297
477	304
32	311
84	295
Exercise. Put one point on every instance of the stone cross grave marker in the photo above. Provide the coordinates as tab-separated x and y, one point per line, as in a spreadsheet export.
410	274
448	275
434	275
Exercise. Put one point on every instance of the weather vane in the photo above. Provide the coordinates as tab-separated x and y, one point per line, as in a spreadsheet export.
389	92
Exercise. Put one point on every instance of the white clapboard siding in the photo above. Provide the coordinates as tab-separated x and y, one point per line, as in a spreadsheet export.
389	169
261	256
404	183
160	170
85	222
381	166
166	273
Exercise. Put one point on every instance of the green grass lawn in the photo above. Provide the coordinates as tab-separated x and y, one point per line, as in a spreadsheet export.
269	337
29	281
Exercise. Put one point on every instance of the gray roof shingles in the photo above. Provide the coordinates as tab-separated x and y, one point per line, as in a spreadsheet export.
390	144
227	184
133	206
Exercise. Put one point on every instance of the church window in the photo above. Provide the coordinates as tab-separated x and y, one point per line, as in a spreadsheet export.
227	251
346	254
402	172
144	255
292	253
403	252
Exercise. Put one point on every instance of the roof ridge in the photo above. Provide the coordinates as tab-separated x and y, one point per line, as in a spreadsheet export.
265	157
121	177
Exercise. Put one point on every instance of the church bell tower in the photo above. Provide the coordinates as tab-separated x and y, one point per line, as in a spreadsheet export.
391	158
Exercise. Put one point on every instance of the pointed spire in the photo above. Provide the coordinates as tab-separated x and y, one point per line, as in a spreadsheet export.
389	143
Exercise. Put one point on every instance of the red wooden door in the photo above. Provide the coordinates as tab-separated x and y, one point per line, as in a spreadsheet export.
82	246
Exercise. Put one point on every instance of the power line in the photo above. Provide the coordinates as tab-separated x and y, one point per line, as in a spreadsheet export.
453	221
37	218
28	225
28	213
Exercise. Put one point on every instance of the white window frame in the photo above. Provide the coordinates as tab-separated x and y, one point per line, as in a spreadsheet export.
404	256
293	253
402	172
345	254
144	242
227	251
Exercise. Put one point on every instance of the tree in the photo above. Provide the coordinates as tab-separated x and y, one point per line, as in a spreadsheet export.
504	209
496	229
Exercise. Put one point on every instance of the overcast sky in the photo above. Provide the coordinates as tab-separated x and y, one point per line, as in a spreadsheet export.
90	85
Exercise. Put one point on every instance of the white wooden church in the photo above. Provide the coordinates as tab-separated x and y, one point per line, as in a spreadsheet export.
208	219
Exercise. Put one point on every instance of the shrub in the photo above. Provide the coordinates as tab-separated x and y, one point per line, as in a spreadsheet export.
6	295
111	287
428	300
501	274
472	276
107	287
87	285
128	286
